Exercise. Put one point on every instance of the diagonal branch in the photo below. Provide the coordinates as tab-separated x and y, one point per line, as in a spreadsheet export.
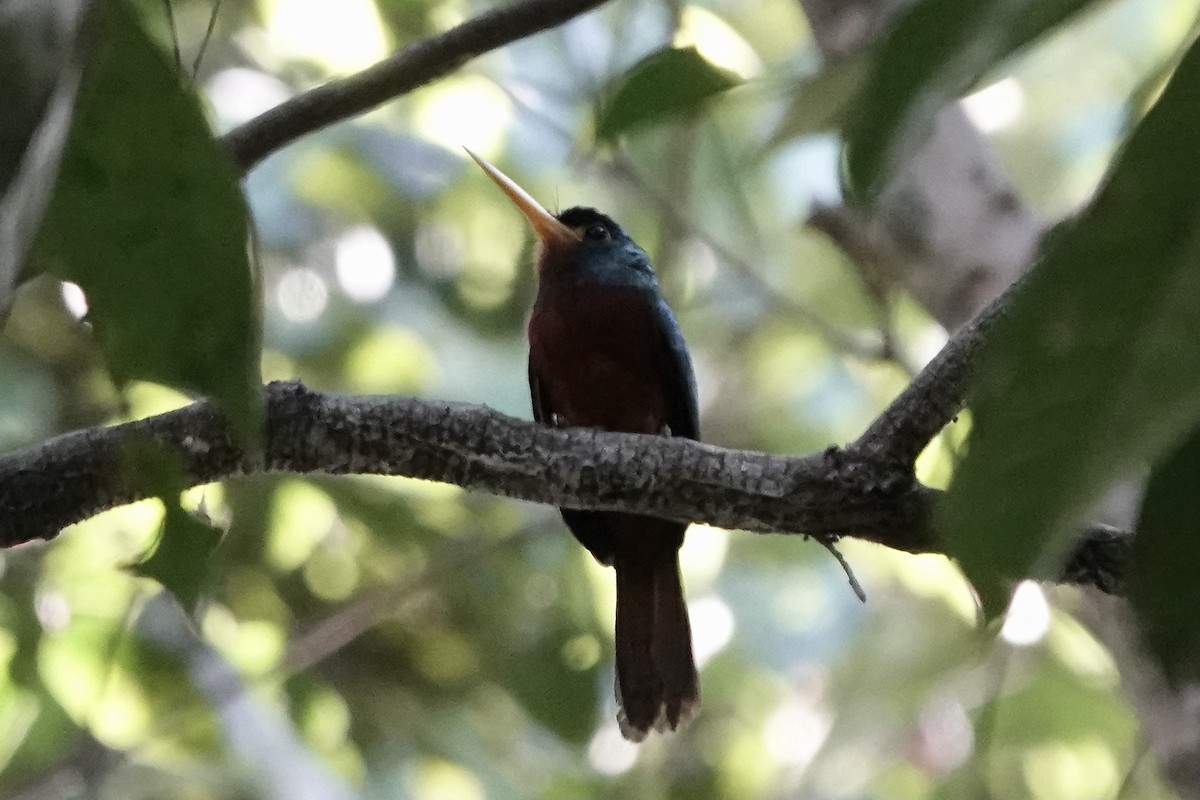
935	396
407	69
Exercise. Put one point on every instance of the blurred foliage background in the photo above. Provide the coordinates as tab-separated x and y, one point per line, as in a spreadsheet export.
370	637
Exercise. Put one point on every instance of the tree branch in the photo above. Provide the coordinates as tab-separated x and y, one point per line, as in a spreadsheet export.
825	495
407	69
935	396
77	475
867	490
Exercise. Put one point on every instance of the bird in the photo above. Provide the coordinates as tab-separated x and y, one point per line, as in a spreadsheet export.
606	352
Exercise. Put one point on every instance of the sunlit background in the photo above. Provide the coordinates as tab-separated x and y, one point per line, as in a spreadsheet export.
393	638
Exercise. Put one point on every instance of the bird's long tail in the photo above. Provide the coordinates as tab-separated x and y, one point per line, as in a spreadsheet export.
657	686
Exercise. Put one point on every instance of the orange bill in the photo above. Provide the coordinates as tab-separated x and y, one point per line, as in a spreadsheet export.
549	230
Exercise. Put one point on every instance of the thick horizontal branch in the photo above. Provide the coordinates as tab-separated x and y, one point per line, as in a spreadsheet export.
827	495
408	69
75	476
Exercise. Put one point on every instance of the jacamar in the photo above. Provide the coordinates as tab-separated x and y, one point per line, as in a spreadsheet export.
606	352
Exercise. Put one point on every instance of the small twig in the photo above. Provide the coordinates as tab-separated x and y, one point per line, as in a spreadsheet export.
849	231
830	544
844	341
208	32
170	14
321	639
407	69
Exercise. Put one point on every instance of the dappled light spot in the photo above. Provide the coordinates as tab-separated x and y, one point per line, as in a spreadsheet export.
1028	616
935	576
609	753
805	172
479	288
301	517
239	94
342	37
389	360
437	779
147	399
120	716
699	265
468	110
301	295
717	41
945	737
277	365
1071	770
1076	647
804	604
207	501
366	267
325	718
582	652
74	299
332	572
253	646
796	729
713	625
996	106
444	656
935	464
702	555
52	610
928	343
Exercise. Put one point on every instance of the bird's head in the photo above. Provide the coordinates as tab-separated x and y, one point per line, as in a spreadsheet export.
580	244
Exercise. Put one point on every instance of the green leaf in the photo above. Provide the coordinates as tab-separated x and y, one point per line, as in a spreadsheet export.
670	83
183	555
558	697
1096	369
1163	588
934	54
822	102
149	219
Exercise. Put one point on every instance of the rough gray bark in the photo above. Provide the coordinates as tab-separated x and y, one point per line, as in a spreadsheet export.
859	491
75	476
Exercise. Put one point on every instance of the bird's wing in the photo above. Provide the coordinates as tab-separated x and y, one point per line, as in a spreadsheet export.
589	527
684	415
541	403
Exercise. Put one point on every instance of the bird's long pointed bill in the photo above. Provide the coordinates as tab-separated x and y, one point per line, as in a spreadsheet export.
549	230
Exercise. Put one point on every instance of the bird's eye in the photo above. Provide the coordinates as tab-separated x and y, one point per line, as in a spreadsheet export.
597	233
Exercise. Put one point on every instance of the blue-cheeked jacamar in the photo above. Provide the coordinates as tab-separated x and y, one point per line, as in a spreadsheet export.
606	352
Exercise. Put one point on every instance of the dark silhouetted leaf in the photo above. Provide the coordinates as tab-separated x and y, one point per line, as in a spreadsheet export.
182	558
670	83
41	61
148	218
183	554
1096	369
1164	588
935	52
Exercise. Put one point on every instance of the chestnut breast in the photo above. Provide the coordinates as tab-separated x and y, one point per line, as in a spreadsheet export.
598	354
